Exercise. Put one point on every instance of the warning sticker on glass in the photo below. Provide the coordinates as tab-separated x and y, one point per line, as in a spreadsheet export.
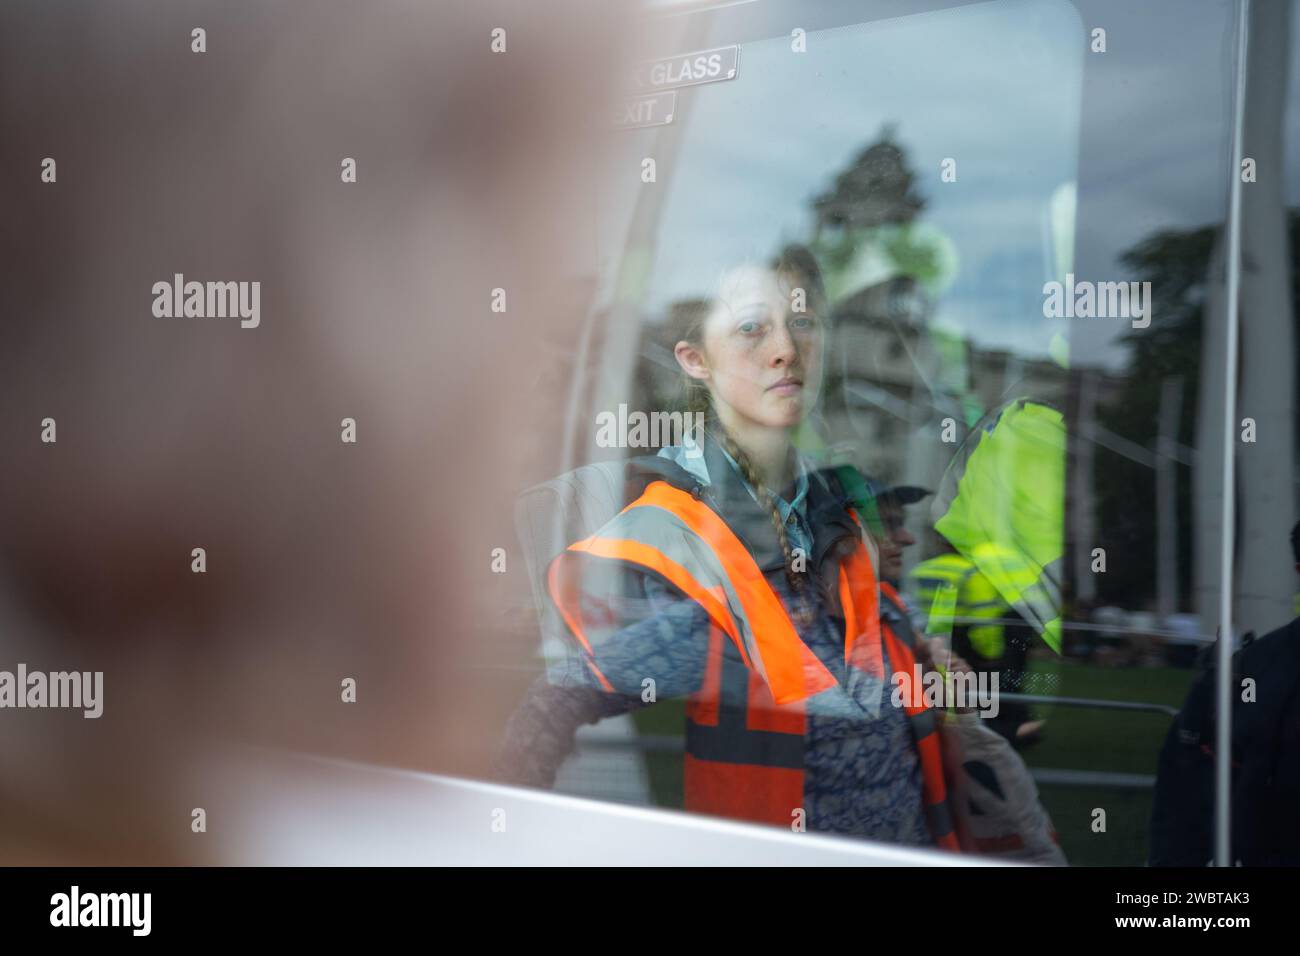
656	110
688	69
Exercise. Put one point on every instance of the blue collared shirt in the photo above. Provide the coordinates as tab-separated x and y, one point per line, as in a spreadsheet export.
793	513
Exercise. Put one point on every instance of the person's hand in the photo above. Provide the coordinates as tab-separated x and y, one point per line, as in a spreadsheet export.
922	651
938	652
935	652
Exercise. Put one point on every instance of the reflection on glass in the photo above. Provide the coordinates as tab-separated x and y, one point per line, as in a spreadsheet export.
1035	489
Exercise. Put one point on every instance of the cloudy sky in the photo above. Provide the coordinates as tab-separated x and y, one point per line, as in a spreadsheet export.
1010	90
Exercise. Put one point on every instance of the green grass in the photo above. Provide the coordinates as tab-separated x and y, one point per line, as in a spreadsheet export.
1074	739
1109	741
1115	741
666	718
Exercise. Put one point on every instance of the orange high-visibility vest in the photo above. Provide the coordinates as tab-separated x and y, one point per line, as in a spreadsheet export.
746	723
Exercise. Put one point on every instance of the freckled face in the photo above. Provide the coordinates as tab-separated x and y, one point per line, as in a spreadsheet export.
763	357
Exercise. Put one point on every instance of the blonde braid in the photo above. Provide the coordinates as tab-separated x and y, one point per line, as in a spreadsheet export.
796	579
686	321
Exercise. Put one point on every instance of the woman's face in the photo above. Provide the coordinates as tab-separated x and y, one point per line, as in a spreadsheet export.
761	358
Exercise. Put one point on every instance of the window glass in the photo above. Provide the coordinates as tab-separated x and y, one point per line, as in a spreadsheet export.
1013	210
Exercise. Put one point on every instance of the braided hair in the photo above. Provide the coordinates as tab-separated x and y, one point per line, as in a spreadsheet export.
794	261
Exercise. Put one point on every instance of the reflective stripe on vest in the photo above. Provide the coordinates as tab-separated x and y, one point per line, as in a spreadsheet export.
900	640
976	602
744	752
662	531
746	723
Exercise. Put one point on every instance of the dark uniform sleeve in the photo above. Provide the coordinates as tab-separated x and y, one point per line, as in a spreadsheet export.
1182	810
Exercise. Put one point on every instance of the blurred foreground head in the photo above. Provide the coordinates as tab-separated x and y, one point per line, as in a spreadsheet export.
325	559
